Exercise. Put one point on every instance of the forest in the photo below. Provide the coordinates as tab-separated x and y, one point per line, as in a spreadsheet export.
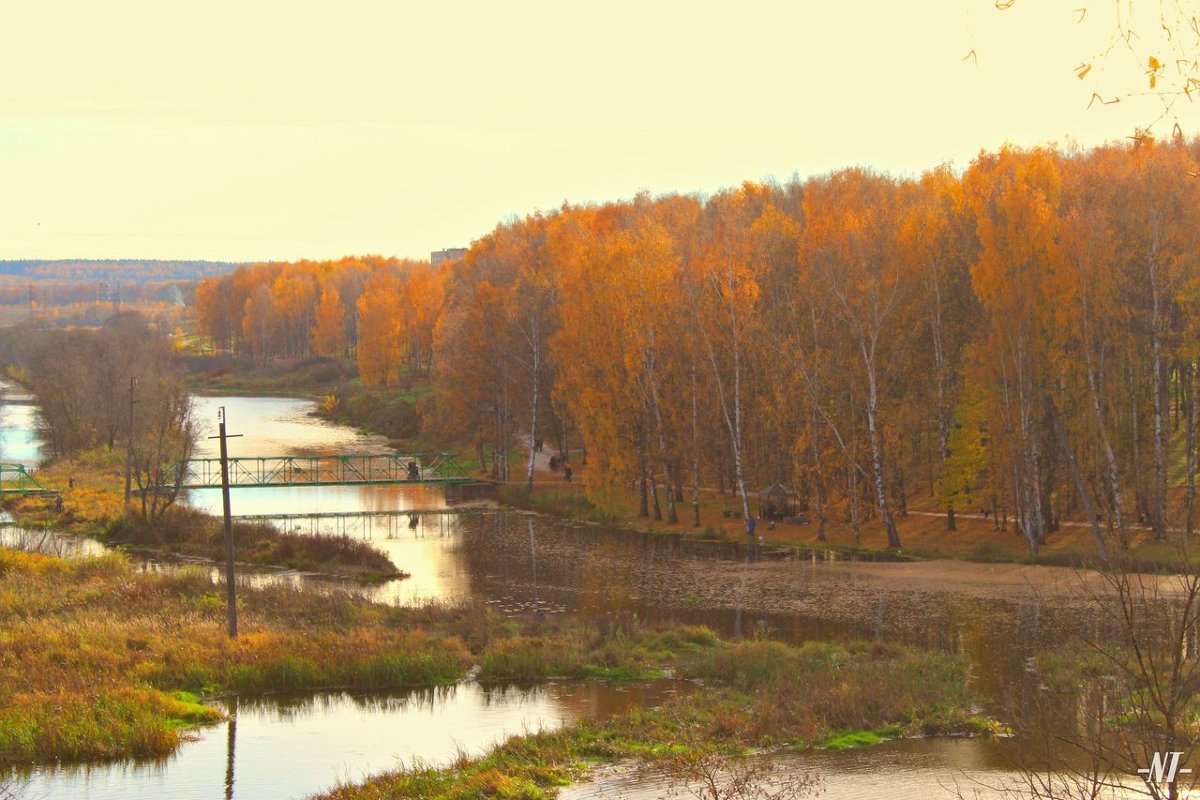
1018	338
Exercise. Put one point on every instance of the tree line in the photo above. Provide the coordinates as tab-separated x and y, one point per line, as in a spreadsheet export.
378	311
1019	338
117	387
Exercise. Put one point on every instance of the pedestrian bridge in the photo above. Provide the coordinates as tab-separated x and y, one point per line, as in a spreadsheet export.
327	470
16	479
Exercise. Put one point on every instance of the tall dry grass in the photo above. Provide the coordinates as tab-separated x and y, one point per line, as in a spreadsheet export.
90	651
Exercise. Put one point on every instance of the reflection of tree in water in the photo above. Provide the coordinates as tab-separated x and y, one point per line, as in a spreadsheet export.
291	706
611	574
609	595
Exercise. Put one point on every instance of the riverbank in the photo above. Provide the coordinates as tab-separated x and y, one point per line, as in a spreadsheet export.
91	485
923	533
399	413
756	696
311	378
93	652
94	655
333	383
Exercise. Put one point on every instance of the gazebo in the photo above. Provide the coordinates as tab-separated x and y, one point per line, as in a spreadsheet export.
777	501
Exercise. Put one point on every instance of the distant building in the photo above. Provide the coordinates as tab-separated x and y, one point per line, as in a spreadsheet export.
446	256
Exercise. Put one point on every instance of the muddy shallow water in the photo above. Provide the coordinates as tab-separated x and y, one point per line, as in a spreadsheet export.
920	769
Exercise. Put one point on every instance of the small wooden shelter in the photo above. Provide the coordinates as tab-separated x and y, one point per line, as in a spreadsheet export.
777	501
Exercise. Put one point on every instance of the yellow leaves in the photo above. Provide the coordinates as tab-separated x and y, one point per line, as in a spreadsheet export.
1014	195
378	330
1082	70
329	334
1153	68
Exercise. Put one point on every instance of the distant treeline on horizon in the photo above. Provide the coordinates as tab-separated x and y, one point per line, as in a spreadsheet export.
117	269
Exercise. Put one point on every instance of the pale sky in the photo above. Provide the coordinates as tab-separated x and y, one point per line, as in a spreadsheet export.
282	130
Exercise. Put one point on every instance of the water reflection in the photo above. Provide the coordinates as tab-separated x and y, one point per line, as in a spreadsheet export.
49	543
20	426
231	747
291	746
310	500
921	769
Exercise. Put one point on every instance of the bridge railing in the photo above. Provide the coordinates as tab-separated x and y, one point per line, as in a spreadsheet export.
341	469
16	479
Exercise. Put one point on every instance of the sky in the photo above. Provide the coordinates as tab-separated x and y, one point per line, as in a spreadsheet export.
266	130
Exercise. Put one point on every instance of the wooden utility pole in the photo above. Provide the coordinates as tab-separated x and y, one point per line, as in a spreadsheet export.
230	589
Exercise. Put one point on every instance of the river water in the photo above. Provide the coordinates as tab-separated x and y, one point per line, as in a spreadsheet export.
20	441
518	563
284	746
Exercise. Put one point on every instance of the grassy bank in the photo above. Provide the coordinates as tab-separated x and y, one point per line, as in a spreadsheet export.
189	533
94	655
92	651
95	507
394	412
565	502
756	695
923	531
223	374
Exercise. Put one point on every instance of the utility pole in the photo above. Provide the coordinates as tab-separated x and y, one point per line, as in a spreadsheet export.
129	444
230	589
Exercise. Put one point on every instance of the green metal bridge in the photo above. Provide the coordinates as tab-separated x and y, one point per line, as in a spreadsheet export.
16	479
329	470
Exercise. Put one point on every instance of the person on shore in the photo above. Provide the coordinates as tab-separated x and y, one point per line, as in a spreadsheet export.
567	473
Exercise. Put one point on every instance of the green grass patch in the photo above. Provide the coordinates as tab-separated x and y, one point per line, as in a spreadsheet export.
123	722
622	673
569	504
844	740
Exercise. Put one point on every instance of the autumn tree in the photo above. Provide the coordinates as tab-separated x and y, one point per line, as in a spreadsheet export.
330	336
1015	197
850	247
379	346
936	239
724	291
1157	244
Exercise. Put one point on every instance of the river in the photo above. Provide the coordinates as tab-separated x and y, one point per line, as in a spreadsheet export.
275	747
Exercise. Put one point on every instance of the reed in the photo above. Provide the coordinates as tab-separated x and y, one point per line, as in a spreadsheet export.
92	651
